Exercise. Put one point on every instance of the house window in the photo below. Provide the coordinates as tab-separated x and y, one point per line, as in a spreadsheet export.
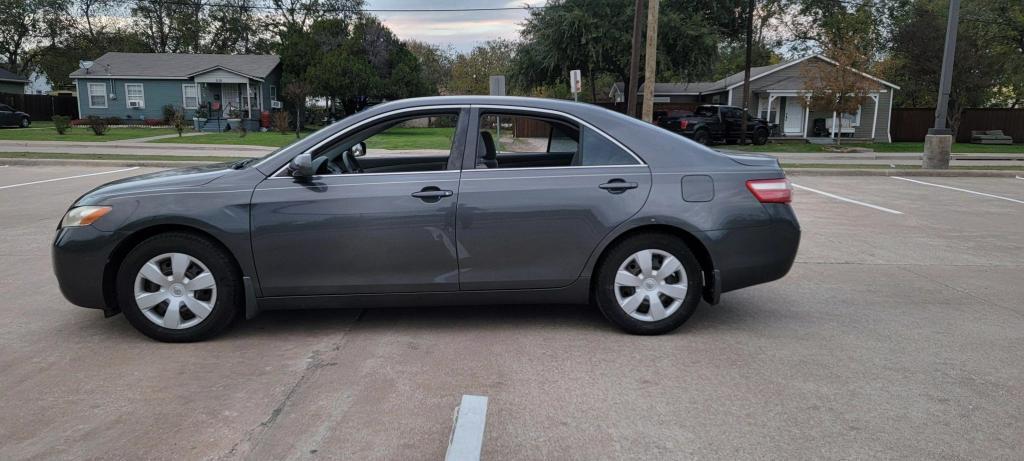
771	114
852	119
134	97
190	96
273	93
98	95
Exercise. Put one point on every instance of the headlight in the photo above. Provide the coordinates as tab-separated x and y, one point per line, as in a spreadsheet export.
83	215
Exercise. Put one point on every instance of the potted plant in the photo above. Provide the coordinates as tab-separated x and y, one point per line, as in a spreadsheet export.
234	116
200	117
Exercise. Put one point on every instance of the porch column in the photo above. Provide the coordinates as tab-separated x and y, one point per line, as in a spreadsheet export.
807	114
874	121
771	100
248	101
834	126
199	95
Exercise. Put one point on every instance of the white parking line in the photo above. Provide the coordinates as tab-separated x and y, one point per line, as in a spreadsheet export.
68	177
468	433
850	200
961	190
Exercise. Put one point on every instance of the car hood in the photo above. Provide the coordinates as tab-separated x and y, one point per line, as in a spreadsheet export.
161	180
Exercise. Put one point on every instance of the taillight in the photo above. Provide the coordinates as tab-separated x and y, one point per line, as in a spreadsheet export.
771	190
683	124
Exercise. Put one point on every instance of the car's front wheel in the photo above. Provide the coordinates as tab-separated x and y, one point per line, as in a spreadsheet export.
760	137
648	284
25	122
179	287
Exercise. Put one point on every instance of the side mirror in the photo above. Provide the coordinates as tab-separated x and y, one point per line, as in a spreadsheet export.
301	166
359	150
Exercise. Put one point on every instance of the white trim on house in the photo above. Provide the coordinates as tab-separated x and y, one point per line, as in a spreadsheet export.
127	77
103	93
211	69
874	123
184	97
823	58
78	99
128	97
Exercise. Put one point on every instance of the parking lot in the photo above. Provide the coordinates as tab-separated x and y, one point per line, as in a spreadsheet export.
899	333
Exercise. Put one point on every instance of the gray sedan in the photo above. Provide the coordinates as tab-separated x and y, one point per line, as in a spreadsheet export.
436	201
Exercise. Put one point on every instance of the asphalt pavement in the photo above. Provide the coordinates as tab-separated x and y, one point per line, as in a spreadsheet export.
898	334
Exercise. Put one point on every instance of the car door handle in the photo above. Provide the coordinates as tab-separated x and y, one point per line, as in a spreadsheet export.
432	194
618	186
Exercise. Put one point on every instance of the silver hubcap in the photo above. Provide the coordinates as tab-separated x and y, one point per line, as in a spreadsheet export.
650	285
175	290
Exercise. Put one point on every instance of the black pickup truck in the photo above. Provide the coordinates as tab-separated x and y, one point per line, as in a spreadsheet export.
713	123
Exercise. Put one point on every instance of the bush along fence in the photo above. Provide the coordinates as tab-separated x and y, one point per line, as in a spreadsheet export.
911	124
42	106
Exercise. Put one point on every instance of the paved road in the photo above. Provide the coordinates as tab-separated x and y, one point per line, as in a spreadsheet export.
895	336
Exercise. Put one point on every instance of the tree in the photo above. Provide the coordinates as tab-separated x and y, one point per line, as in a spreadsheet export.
297	92
435	64
837	88
30	27
238	28
171	27
295	15
471	71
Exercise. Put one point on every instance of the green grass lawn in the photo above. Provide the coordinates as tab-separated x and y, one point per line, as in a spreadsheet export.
911	147
79	134
393	139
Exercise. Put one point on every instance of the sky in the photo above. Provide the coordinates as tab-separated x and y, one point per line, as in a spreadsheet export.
462	29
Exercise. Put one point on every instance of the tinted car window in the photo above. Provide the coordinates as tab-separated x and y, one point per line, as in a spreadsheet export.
4	107
705	112
599	150
520	141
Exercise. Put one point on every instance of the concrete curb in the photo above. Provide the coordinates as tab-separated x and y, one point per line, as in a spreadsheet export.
789	171
112	163
901	172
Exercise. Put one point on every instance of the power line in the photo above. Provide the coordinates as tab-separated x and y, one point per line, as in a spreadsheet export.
345	10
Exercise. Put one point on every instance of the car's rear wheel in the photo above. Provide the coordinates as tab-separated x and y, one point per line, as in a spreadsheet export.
702	137
648	284
179	287
25	122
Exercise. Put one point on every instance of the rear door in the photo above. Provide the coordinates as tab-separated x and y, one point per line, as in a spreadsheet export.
559	187
6	115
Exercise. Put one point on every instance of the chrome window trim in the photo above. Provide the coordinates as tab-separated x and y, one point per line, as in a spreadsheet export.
351	175
555	167
355	127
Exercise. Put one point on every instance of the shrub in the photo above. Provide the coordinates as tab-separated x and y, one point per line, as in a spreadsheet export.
202	112
159	122
169	112
178	122
97	124
61	123
282	121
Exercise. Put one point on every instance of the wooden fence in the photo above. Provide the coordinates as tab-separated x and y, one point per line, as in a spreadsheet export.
42	106
911	124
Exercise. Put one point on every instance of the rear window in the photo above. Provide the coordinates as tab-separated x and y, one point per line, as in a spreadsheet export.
705	112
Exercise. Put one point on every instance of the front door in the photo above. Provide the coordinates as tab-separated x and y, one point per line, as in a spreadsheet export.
383	222
794	123
541	194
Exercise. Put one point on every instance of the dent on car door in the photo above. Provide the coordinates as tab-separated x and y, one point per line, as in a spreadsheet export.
351	232
535	227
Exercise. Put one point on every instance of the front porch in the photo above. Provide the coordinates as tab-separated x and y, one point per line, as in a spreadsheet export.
226	100
797	122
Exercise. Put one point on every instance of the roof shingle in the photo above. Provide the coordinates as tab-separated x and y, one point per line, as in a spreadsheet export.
173	65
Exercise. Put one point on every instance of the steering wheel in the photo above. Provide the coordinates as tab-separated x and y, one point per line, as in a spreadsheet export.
349	162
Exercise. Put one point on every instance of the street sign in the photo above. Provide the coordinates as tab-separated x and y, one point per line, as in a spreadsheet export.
497	85
575	82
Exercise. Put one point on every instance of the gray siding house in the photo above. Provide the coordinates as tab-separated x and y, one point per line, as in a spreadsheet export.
778	93
12	83
139	85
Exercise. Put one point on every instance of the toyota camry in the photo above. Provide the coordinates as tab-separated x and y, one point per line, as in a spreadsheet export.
436	201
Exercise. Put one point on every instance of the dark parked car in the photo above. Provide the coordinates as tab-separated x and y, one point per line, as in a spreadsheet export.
431	202
11	117
713	123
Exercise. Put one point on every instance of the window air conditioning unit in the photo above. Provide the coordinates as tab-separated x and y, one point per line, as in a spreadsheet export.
275	104
135	104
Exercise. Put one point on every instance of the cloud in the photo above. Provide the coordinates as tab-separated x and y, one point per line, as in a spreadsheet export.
462	29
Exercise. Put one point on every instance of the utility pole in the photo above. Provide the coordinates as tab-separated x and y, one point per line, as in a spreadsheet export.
650	60
634	59
746	72
939	141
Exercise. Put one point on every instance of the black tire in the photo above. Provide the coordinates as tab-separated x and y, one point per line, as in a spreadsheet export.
760	137
702	137
229	293
25	122
604	287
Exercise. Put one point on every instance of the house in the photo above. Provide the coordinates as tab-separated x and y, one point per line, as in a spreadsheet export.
139	85
12	83
778	94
